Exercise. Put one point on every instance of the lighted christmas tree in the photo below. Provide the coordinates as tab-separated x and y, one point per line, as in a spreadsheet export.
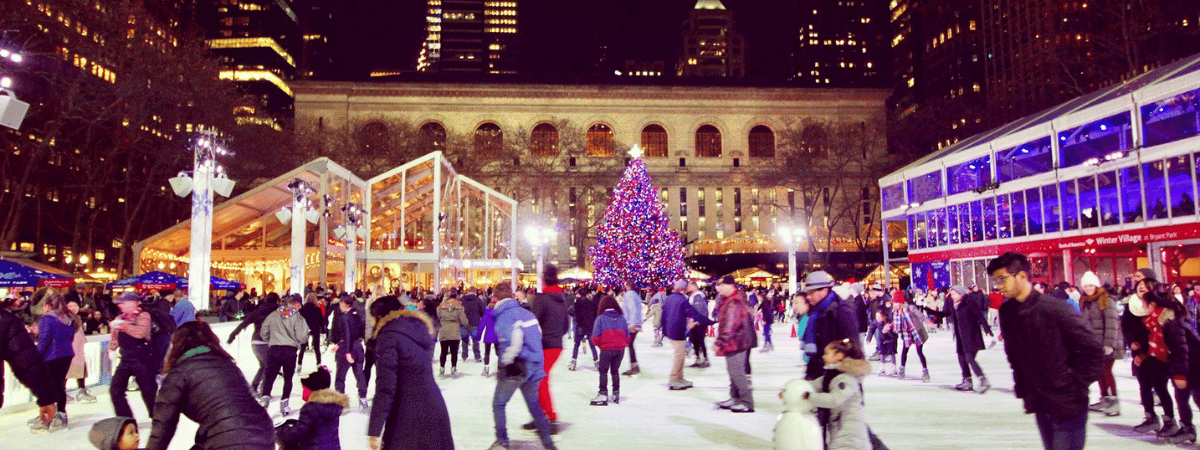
635	241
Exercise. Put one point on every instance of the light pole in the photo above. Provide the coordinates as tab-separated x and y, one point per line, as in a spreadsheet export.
301	210
538	237
791	236
207	178
349	233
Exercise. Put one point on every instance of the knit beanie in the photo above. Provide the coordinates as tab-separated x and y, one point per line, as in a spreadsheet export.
106	433
1089	279
317	380
960	290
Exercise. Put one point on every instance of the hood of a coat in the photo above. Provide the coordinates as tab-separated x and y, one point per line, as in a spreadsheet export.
404	313
105	433
505	305
329	396
856	367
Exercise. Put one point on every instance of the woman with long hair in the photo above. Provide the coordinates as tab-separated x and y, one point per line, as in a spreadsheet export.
78	369
56	337
198	385
452	316
1101	313
1146	336
1169	346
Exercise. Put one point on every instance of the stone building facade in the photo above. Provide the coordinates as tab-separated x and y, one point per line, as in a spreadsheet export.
732	162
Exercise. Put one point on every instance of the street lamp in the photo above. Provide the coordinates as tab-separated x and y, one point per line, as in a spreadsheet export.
792	237
206	179
539	237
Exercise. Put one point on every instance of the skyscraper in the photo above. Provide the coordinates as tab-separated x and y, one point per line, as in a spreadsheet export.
258	42
841	43
470	36
712	45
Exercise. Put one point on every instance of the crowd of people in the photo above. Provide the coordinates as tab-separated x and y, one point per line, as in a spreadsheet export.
1058	340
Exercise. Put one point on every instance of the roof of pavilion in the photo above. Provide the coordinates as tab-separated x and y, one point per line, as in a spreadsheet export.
1145	82
250	218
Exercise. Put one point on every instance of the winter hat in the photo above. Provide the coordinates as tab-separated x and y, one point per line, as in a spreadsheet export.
317	380
857	288
105	433
1089	279
817	280
127	297
877	287
727	279
960	289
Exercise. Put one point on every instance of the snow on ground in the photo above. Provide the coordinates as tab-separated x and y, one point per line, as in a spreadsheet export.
906	414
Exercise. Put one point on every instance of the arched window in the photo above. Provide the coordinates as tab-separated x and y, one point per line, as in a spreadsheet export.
654	141
600	140
431	137
762	142
814	140
489	138
708	141
373	139
544	140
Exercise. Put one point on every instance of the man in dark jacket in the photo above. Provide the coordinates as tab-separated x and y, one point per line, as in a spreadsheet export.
266	306
676	310
830	318
131	333
230	305
550	308
1053	353
348	349
473	307
964	311
27	365
162	324
584	311
311	312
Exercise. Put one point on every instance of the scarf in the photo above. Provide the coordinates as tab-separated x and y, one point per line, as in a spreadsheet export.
287	311
1158	344
903	325
814	313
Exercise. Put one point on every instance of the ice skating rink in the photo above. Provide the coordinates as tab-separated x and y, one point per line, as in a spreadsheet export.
906	414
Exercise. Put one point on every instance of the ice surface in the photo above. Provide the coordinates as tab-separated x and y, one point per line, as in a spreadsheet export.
906	414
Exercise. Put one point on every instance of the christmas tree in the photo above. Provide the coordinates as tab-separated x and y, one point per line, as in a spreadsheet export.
635	241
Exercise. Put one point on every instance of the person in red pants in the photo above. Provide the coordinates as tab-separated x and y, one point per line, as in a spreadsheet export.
550	308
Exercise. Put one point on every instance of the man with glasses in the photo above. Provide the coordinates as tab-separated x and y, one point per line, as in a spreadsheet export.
1053	353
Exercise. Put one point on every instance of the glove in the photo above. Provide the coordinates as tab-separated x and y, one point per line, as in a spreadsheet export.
1108	350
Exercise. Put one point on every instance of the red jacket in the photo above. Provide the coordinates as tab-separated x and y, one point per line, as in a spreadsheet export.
735	325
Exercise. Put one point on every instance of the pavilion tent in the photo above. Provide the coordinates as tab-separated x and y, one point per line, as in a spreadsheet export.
151	280
575	275
219	284
752	275
15	273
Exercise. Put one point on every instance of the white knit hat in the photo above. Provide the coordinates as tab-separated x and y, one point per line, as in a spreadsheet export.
1089	279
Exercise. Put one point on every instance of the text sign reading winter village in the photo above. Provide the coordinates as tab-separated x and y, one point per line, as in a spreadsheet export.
635	242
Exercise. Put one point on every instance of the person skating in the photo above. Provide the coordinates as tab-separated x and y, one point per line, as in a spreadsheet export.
888	337
317	426
21	353
830	319
550	308
677	316
473	306
1168	342
521	357
266	306
198	386
838	395
78	370
610	333
451	316
1044	338
584	311
408	411
698	332
487	332
56	335
1101	313
735	339
1150	373
965	315
348	348
315	319
285	331
631	305
131	334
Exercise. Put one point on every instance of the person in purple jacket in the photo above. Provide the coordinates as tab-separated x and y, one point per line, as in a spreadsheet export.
487	329
56	337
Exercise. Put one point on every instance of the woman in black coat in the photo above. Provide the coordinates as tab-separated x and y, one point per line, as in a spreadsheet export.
198	384
408	408
966	317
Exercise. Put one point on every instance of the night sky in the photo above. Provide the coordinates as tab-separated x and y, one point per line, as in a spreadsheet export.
563	37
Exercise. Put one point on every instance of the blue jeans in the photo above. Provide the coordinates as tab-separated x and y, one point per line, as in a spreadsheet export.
505	388
767	332
1066	435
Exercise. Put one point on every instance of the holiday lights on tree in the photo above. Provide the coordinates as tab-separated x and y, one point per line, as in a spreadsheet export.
635	241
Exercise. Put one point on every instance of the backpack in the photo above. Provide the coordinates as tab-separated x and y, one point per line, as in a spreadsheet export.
160	319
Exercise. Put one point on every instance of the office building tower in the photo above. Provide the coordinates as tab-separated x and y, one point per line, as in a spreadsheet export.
712	46
841	43
470	36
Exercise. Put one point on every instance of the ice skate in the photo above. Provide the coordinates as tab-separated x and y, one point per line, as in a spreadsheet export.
453	372
1098	406
704	363
58	423
1150	424
84	396
924	375
741	408
900	373
485	371
499	445
1169	428
966	385
633	370
442	372
600	400
1114	406
1185	434
284	410
983	386
571	366
680	385
615	398
726	404
363	405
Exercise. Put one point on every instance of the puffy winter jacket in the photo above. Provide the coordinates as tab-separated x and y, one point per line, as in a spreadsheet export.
835	322
313	317
317	427
487	327
736	329
520	338
200	386
550	308
839	391
610	332
55	337
289	331
452	318
408	408
675	311
1104	322
473	307
585	314
22	355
